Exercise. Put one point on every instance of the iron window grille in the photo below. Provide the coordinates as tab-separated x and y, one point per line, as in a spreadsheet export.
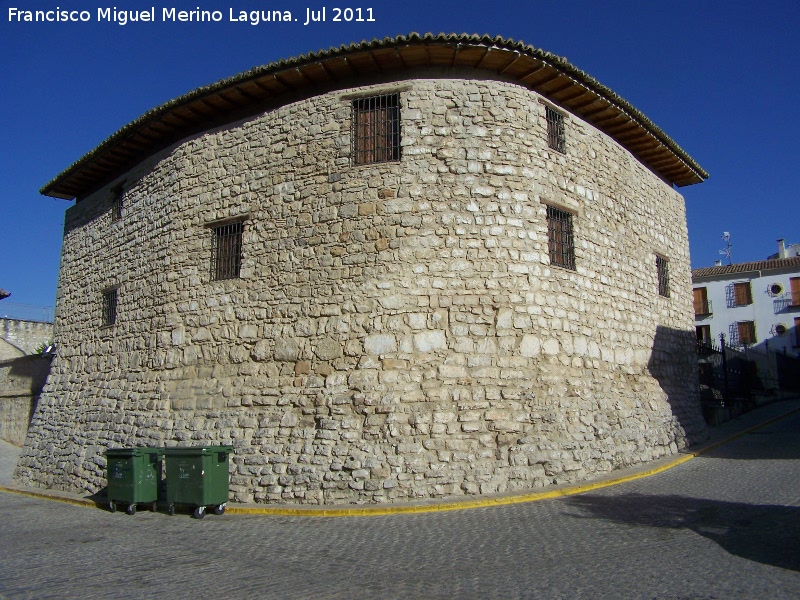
662	266
109	307
738	294
226	251
116	203
375	129
556	138
560	238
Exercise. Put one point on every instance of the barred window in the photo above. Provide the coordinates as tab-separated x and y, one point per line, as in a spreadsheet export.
226	251
555	130
739	294
375	130
109	307
662	266
559	235
116	203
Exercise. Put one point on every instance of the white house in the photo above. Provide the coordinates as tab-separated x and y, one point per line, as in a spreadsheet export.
753	303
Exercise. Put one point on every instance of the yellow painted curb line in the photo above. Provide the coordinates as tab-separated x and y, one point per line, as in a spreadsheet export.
369	511
375	511
49	496
366	511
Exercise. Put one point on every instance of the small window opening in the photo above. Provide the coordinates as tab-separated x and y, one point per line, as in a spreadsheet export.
560	238
375	131
662	266
109	307
116	203
556	138
226	251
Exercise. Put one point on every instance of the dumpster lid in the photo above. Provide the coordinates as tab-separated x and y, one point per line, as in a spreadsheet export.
196	450
135	451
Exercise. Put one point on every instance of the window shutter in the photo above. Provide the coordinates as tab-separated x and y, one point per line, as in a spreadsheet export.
742	293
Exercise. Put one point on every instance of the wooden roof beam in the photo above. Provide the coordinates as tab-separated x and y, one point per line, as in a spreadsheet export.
604	107
250	97
515	57
627	125
579	92
563	88
224	96
283	82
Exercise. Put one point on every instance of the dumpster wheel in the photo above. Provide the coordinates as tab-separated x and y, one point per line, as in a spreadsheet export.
171	509
199	512
154	506
131	509
220	509
112	507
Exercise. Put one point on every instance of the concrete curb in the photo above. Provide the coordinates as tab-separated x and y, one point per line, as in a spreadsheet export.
442	506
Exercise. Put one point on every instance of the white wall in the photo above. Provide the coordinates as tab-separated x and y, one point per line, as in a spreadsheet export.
767	310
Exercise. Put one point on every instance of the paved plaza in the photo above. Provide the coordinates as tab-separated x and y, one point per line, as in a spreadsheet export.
725	524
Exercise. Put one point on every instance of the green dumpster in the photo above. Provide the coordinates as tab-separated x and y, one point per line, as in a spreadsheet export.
133	477
198	476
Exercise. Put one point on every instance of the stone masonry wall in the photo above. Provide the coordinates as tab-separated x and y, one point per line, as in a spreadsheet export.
397	331
27	336
21	374
21	381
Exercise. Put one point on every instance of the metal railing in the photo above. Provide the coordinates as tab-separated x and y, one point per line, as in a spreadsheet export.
742	379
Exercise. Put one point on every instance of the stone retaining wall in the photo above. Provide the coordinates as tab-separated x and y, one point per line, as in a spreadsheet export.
21	381
397	331
26	336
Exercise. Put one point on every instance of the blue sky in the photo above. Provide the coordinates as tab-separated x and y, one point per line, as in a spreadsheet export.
719	77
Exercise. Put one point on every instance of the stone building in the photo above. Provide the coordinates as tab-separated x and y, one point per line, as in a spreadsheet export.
410	268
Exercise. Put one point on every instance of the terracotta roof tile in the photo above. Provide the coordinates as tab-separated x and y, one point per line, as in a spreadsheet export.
748	267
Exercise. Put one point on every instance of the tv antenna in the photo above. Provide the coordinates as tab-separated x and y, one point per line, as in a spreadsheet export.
726	251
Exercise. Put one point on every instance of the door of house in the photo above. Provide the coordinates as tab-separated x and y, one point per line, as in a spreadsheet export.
703	334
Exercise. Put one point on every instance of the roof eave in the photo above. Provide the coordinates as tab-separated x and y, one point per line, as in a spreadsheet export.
232	98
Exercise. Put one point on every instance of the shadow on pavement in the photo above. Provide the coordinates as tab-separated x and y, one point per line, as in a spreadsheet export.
766	534
778	441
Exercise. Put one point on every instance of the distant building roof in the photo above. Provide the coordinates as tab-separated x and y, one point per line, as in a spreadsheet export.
748	267
789	250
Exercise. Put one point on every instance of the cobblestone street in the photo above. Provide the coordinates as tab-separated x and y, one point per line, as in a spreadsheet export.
723	525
